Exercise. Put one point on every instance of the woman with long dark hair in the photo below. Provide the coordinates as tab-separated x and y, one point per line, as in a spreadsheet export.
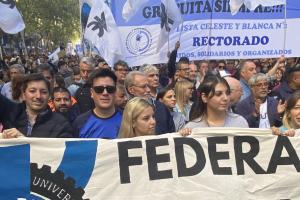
167	97
211	108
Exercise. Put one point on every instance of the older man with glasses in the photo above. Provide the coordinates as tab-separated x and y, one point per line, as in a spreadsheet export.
104	120
121	69
184	70
136	84
260	110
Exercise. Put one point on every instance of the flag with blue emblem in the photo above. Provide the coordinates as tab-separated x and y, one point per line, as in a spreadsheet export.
103	34
170	19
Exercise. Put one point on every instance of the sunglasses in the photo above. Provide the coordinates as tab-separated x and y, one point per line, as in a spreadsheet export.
100	89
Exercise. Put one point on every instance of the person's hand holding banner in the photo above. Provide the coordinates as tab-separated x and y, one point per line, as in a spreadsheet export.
11	133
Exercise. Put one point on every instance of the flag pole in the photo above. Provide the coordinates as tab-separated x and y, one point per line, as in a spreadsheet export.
181	30
168	25
1	56
285	28
23	40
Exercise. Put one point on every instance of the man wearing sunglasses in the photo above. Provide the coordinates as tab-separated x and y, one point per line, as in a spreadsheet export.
104	120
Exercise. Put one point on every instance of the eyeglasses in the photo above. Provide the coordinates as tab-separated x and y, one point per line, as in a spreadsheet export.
142	86
266	84
186	69
122	70
100	89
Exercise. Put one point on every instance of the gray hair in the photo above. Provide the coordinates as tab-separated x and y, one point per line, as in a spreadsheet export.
130	78
19	67
89	61
146	68
258	77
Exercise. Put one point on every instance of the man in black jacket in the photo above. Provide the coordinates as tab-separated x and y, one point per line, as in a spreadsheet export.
136	84
33	118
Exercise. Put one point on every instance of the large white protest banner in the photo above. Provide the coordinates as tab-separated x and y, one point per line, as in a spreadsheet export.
224	163
210	31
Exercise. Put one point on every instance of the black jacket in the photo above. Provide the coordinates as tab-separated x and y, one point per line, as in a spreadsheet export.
47	125
164	120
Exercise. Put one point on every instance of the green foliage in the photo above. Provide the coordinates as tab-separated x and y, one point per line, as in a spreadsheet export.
54	20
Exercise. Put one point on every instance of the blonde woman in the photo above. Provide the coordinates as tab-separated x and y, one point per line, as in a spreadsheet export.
138	119
183	93
291	118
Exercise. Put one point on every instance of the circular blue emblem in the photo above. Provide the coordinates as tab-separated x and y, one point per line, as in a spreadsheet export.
138	41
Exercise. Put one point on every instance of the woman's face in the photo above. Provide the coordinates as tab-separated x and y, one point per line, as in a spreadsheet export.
169	99
220	101
295	115
188	93
145	123
278	75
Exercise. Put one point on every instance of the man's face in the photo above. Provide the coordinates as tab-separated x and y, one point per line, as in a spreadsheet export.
85	71
103	93
203	68
121	98
221	66
248	71
121	72
36	96
140	87
62	101
49	77
236	92
153	79
296	79
184	70
193	71
260	89
14	72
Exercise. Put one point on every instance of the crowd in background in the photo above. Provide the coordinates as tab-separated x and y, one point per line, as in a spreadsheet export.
86	98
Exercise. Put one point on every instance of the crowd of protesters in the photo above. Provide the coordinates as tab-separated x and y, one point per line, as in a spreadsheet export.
86	98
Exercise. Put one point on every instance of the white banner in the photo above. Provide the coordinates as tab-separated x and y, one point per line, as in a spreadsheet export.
215	163
210	31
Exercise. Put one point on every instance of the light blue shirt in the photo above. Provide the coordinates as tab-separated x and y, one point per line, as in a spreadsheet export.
246	89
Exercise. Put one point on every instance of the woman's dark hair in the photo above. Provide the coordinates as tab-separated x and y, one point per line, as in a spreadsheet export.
16	86
163	92
59	80
207	87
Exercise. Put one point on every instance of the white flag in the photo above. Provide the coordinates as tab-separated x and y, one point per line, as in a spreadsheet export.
131	7
54	56
10	18
102	32
252	4
170	19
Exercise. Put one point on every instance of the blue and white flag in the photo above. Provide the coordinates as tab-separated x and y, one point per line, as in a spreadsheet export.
54	57
131	7
102	32
11	20
170	19
252	4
